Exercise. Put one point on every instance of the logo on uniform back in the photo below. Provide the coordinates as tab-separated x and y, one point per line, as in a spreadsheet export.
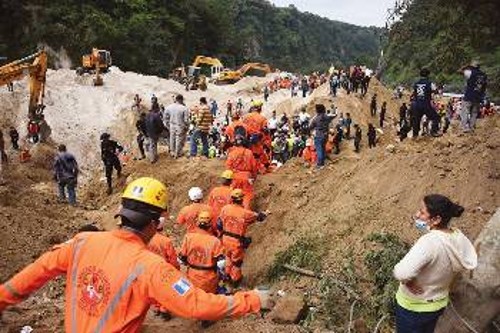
421	90
93	291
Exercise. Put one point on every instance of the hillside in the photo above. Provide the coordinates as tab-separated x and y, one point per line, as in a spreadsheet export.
329	221
153	36
443	36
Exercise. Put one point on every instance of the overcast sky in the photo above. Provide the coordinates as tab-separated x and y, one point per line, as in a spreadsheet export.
359	12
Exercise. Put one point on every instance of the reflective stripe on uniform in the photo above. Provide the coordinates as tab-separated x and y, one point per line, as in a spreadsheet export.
116	299
74	284
230	306
12	290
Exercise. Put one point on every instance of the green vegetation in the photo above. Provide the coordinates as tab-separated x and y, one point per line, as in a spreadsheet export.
380	264
444	35
306	253
153	36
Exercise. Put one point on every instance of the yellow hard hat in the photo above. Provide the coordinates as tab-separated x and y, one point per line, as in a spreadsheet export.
257	103
228	174
149	191
237	194
204	217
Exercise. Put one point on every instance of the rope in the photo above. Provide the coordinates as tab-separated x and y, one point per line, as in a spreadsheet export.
469	326
379	323
350	316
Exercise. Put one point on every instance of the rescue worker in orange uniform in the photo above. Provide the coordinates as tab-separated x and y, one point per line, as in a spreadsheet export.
162	246
188	215
112	278
236	126
233	223
309	153
258	135
221	195
203	254
245	167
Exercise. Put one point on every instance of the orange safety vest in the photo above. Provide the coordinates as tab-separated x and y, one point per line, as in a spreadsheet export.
235	221
201	250
242	159
309	154
111	281
189	214
218	198
255	123
162	245
231	128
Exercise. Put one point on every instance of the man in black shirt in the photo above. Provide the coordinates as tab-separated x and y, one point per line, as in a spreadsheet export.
109	150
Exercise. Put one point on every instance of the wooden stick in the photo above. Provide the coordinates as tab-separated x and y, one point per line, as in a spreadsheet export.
301	271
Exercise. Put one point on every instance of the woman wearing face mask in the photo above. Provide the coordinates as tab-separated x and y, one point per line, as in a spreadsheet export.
427	270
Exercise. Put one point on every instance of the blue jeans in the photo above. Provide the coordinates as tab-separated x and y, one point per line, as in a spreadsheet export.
320	145
70	187
194	143
416	322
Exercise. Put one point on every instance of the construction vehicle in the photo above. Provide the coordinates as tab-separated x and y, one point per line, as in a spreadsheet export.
99	61
209	67
249	69
195	80
35	66
255	69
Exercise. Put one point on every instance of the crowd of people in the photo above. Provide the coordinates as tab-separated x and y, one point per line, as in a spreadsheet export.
215	225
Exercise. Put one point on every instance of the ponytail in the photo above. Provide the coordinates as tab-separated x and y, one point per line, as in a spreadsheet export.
439	205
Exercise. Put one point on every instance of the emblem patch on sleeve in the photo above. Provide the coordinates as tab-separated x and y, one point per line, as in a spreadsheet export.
182	286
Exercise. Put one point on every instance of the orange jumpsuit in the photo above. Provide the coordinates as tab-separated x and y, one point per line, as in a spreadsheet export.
189	214
201	251
256	125
235	220
218	198
231	127
162	245
309	155
241	161
111	280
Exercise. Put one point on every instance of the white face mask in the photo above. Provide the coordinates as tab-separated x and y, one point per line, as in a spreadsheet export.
422	226
467	73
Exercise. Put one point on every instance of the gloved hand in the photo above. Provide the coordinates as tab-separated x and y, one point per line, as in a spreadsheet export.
266	300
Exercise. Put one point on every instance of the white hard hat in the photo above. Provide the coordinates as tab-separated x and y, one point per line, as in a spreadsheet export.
195	193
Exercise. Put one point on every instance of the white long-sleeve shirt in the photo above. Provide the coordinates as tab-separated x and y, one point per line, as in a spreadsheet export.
433	261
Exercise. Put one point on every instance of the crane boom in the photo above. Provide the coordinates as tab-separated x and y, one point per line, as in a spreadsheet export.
34	65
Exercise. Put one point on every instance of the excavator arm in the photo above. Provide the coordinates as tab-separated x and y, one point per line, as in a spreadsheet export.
35	66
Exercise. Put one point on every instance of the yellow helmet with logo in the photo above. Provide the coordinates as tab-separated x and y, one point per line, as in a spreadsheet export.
228	174
149	191
237	194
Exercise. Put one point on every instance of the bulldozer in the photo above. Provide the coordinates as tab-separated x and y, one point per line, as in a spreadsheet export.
97	62
34	65
195	80
196	75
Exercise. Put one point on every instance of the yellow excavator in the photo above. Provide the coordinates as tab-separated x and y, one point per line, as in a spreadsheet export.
248	69
195	77
94	63
35	66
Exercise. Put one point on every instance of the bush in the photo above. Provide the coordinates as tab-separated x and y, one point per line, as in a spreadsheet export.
307	253
380	263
